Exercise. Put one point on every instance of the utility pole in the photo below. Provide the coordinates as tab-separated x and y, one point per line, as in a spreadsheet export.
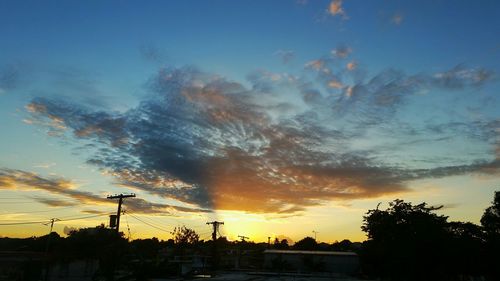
315	232
215	225
47	246
238	260
120	201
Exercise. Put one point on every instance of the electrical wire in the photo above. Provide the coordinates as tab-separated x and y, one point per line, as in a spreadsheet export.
86	217
151	221
145	222
128	227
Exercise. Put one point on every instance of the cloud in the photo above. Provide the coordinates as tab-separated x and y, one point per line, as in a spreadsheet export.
397	18
277	146
335	9
43	165
341	51
459	77
152	53
351	65
55	202
68	229
285	55
22	180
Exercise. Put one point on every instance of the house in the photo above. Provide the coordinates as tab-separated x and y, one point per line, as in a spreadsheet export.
342	263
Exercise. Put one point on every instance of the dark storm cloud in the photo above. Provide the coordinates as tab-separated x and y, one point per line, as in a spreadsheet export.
277	146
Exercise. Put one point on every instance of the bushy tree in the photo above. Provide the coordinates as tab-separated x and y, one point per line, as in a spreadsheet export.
185	236
307	243
491	217
405	241
491	223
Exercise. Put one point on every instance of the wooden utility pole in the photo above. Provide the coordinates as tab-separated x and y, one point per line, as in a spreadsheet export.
47	247
120	201
215	225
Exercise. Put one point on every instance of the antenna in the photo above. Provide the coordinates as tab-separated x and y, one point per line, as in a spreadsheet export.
315	233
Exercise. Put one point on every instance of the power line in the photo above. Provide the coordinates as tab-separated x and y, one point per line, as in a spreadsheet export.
86	217
145	222
128	228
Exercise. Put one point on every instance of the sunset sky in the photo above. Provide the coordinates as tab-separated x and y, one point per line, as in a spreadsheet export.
279	118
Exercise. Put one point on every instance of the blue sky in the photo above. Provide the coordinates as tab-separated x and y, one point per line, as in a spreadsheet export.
271	112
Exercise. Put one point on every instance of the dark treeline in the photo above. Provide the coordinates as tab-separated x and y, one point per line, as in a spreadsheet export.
405	242
412	242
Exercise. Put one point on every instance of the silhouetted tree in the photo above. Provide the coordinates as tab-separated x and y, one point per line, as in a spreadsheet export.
185	236
100	243
307	243
281	245
491	223
405	242
342	246
491	217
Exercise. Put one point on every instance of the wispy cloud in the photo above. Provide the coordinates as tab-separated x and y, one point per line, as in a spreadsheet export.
22	180
341	51
278	146
397	18
152	54
285	55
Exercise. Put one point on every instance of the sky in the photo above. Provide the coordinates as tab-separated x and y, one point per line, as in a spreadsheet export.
279	118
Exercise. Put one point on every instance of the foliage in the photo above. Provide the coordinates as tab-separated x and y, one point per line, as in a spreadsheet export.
342	246
185	236
491	223
491	217
307	243
404	239
281	245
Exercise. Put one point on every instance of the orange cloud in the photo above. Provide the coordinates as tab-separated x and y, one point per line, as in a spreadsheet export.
315	64
335	84
335	9
351	65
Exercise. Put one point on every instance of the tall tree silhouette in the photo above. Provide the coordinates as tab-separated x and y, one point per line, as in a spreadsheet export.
405	242
491	217
491	223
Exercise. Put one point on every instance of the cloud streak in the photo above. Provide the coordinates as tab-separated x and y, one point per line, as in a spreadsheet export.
22	180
